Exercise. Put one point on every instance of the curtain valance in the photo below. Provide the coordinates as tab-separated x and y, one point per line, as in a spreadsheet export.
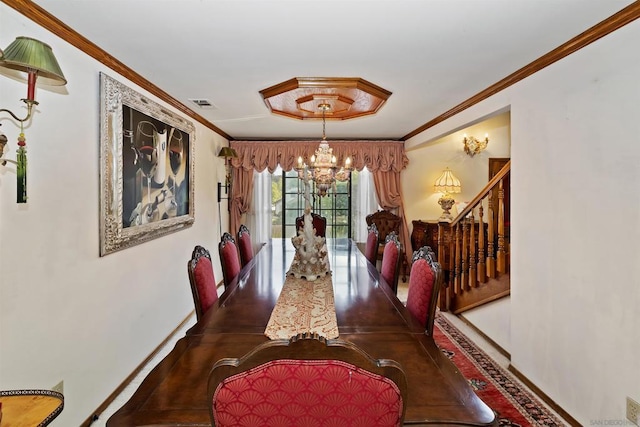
385	159
375	155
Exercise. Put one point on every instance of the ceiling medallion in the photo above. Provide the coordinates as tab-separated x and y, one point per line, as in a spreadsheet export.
348	97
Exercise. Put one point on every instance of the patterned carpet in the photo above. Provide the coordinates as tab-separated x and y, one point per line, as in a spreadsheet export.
514	405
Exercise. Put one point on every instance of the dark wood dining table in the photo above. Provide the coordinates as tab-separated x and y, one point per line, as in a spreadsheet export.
368	314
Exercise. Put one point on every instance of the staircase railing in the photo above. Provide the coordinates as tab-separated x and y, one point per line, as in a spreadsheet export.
478	249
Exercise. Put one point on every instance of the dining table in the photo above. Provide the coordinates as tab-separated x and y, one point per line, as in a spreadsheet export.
367	313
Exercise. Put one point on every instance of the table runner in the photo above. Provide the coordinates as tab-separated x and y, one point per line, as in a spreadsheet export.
304	306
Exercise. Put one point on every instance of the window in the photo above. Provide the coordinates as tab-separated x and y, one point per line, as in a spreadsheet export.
288	204
345	213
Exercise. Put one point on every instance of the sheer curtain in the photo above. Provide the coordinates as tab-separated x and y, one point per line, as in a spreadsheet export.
259	216
364	200
363	197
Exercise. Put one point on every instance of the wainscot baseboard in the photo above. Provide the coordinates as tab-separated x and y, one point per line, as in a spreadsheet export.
94	416
544	397
494	344
534	388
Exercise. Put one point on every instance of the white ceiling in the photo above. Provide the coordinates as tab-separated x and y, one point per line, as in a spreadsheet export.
432	54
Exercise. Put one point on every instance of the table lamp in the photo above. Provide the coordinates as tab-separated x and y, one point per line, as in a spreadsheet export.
446	184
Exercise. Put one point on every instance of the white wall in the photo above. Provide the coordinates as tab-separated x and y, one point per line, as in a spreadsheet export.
494	320
66	313
428	159
575	210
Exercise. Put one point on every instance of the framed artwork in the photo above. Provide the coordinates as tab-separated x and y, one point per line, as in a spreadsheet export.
146	168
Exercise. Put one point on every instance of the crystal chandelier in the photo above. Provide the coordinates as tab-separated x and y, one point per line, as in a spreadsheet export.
323	169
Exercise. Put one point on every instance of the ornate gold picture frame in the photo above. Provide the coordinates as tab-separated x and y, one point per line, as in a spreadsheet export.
146	168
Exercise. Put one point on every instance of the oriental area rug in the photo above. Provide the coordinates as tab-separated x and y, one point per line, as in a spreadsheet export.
514	405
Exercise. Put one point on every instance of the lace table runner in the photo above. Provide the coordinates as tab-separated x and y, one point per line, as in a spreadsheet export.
304	306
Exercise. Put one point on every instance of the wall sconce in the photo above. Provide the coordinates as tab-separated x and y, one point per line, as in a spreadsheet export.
473	146
446	184
37	60
228	153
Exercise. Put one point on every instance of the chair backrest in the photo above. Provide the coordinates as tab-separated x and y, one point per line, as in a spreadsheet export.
425	282
371	248
307	381
245	245
391	258
203	282
229	258
386	223
319	223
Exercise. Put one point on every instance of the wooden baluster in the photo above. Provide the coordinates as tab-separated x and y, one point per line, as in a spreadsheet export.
443	300
491	262
457	283
473	268
465	255
502	266
482	271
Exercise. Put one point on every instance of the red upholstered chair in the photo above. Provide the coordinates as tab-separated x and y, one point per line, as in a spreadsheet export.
386	222
425	282
319	223
244	245
371	248
391	259
229	258
203	283
307	381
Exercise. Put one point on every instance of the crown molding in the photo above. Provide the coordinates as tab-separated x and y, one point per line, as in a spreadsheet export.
609	25
66	33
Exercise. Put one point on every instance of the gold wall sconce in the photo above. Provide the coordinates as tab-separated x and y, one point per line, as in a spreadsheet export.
35	58
446	184
227	153
473	146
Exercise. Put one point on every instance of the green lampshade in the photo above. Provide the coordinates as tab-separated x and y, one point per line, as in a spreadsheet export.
27	54
227	152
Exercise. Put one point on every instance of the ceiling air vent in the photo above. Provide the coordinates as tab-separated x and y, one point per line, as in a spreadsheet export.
204	103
